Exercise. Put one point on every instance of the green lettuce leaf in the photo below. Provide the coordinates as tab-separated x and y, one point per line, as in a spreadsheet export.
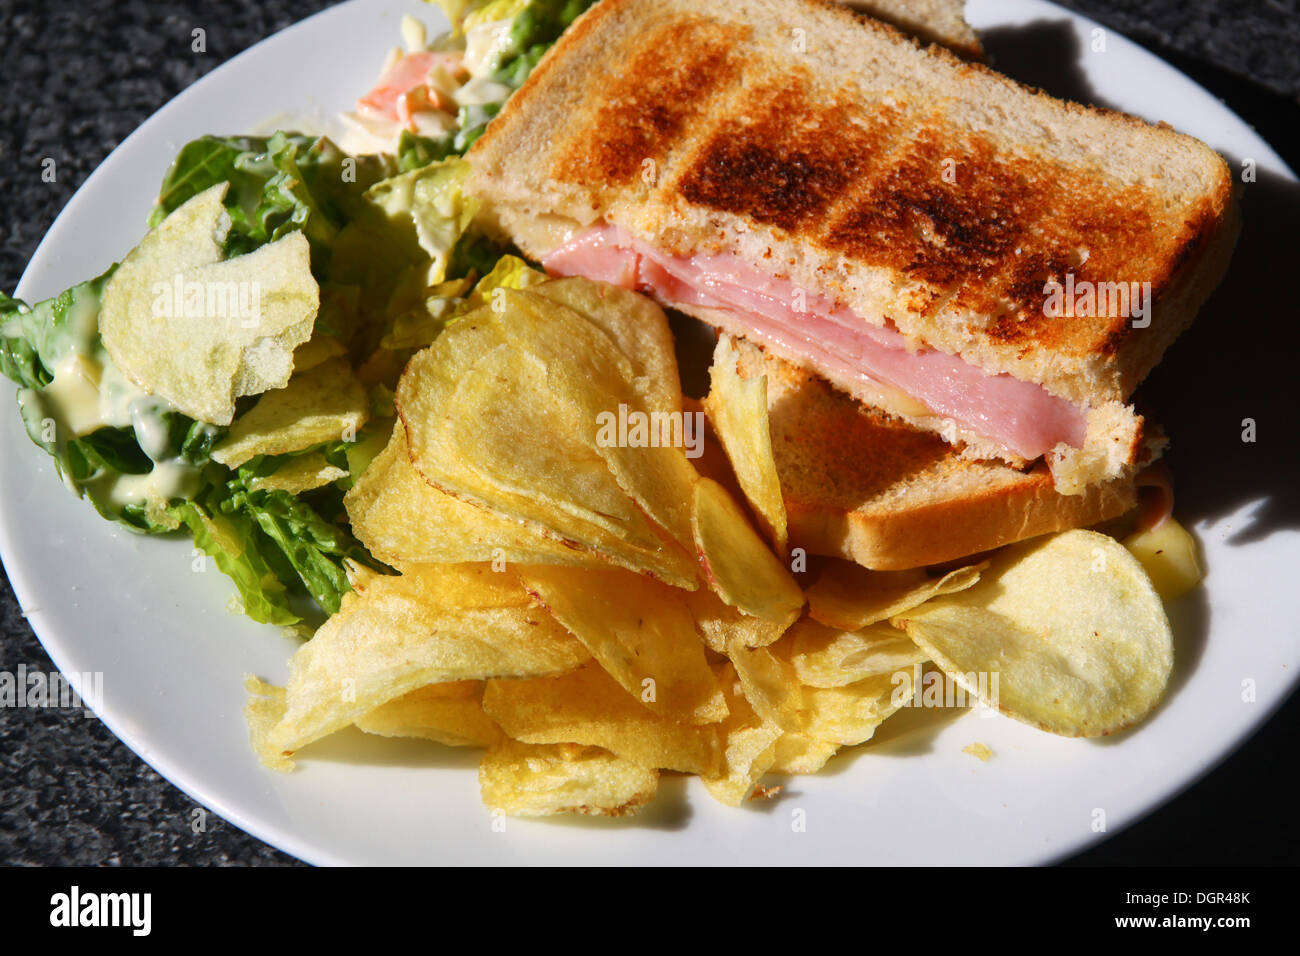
230	540
278	184
60	336
415	151
311	543
534	31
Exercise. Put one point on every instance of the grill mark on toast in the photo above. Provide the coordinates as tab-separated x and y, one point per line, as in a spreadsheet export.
946	214
646	109
790	158
1083	211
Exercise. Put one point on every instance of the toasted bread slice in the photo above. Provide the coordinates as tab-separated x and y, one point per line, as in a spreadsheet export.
925	193
930	21
862	485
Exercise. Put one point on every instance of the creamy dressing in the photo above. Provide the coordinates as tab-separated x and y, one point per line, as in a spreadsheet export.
82	322
73	395
151	431
88	392
174	478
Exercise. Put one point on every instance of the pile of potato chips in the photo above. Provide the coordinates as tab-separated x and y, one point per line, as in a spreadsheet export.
592	606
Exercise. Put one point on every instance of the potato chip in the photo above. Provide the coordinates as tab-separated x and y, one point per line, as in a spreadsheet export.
192	234
640	631
481	425
518	453
403	520
531	780
718	623
841	715
298	474
360	575
737	407
201	332
429	314
826	657
850	714
849	597
323	404
264	709
320	348
979	751
450	714
475	585
1168	554
639	328
799	753
595	380
1069	624
587	706
748	744
431	625
737	562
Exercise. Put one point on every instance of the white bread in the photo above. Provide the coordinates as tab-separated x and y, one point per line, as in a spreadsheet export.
930	21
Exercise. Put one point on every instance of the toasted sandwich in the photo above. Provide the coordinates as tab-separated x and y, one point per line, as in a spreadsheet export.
970	256
863	485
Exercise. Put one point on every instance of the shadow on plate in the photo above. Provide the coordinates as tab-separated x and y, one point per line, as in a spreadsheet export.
352	746
670	810
1045	54
1232	377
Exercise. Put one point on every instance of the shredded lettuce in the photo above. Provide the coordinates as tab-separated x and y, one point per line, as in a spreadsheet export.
430	205
415	151
508	38
276	548
535	28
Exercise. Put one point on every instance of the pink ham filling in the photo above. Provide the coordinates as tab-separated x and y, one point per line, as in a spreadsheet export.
1021	417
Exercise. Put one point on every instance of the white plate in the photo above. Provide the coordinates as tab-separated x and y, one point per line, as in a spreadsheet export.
173	656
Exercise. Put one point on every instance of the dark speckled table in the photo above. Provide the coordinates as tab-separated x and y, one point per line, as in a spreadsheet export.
77	77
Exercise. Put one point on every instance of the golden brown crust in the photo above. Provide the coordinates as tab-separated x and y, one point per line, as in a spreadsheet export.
946	531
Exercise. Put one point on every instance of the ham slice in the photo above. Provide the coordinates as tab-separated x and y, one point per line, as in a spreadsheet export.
1023	418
